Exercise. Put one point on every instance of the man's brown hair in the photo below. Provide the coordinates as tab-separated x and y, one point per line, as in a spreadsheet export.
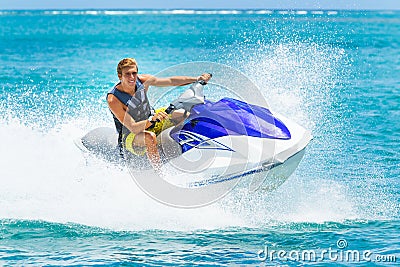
126	62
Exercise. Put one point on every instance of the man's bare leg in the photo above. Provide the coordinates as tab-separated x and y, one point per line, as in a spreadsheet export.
149	140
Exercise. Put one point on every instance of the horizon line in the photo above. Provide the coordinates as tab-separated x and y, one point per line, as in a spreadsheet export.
196	9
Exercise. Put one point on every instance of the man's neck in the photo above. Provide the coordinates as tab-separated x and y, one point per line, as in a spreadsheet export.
128	90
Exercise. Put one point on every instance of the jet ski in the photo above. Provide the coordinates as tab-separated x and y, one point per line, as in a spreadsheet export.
219	141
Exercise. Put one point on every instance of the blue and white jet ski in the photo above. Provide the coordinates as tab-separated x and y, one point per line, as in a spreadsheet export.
218	142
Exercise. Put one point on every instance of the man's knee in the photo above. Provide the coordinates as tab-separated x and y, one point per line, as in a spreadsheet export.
150	138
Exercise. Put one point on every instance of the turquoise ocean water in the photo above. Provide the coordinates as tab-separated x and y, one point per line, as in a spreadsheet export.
334	72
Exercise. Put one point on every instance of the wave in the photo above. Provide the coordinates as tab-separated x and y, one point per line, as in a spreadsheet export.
40	243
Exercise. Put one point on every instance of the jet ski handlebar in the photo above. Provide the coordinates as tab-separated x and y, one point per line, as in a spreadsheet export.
192	96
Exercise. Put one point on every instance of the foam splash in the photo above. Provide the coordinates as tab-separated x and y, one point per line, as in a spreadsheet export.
298	79
45	177
295	202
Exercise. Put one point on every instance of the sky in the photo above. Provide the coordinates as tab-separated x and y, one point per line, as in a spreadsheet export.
204	4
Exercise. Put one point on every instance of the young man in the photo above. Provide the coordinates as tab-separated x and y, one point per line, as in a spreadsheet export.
136	126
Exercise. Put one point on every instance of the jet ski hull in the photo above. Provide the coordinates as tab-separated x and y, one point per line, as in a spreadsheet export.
260	164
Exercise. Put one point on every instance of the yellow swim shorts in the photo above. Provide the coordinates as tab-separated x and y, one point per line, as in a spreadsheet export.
157	129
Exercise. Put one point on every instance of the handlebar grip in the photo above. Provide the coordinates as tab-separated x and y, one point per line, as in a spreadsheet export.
153	123
170	109
203	82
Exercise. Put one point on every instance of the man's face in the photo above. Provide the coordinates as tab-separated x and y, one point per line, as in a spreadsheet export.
129	76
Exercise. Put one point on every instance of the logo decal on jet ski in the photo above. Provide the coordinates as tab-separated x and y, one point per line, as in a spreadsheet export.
200	142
